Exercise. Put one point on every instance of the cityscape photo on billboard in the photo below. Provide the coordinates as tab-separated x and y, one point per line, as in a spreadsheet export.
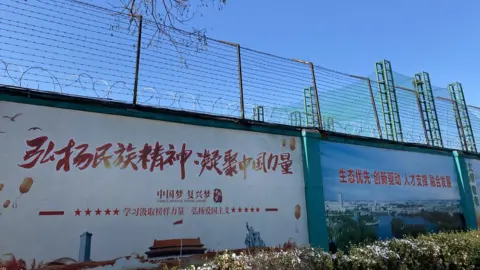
375	193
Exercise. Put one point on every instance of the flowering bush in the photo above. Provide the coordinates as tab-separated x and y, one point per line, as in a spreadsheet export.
298	258
459	250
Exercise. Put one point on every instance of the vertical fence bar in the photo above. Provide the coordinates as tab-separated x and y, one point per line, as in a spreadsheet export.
137	64
372	99
240	82
473	132
461	131
422	118
468	123
240	76
317	104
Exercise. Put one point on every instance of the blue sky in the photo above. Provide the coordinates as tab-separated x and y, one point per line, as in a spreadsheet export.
438	36
335	156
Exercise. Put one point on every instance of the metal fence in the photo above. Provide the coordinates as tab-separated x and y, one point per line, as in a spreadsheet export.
75	49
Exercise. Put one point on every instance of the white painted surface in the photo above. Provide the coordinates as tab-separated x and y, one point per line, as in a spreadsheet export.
27	235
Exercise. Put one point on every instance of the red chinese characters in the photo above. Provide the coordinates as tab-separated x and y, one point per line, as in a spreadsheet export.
125	156
38	153
438	181
230	163
419	180
152	157
390	178
409	180
376	177
159	156
102	157
398	179
210	210
83	159
144	156
209	161
387	178
65	153
356	176
42	152
366	176
259	163
448	181
351	176
341	176
383	178
153	211
286	163
244	164
424	180
359	176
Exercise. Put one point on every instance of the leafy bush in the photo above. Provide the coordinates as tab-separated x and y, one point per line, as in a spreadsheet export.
459	250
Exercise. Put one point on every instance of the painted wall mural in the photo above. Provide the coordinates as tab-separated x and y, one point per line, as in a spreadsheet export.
374	193
106	187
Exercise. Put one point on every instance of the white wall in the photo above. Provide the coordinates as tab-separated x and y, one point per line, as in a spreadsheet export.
29	235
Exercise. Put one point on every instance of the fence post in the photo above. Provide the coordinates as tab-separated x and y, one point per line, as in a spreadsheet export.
474	136
240	82
422	118
315	91
317	98
240	77
137	64
372	99
461	131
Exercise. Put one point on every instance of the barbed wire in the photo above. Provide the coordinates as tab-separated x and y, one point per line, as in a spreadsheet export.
196	103
90	51
25	76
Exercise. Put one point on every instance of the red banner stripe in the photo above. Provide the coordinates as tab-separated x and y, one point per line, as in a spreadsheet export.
51	213
178	222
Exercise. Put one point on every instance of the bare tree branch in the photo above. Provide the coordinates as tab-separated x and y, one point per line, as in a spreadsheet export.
170	19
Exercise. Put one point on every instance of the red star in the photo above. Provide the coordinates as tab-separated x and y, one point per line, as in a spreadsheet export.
246	209
87	212
258	209
233	209
77	212
98	212
239	209
115	212
107	212
252	209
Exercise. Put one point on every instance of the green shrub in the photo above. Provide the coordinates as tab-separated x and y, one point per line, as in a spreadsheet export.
456	250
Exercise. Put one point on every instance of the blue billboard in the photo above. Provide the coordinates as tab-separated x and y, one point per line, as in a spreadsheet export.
375	193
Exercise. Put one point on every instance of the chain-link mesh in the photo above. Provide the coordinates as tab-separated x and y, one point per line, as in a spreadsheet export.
86	50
